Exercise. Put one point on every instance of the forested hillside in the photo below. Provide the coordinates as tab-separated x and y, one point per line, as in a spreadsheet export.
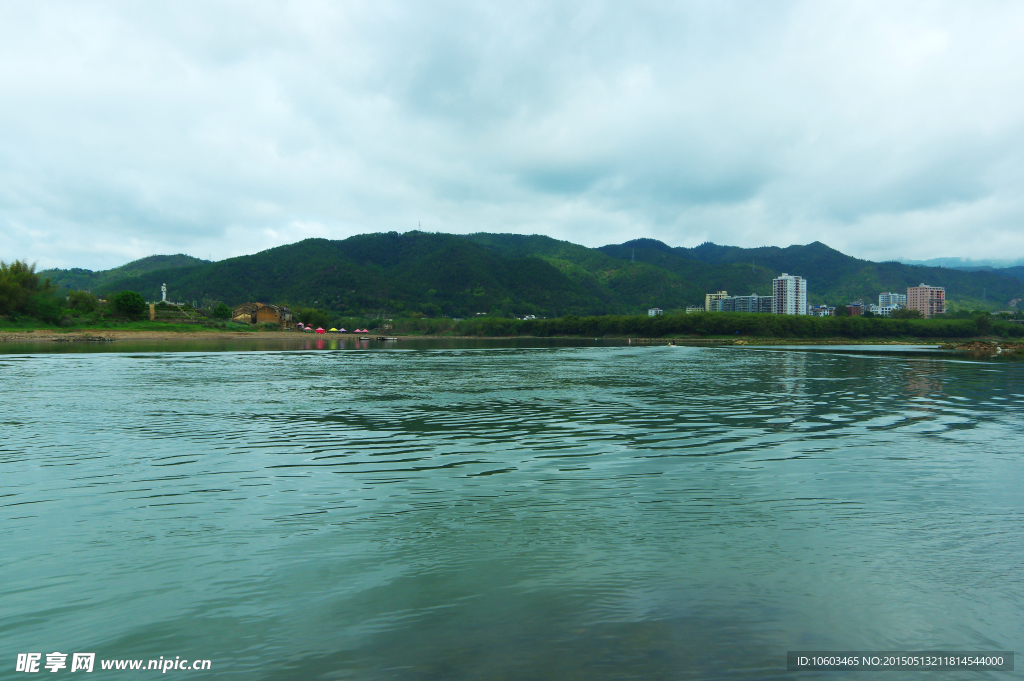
1015	272
87	280
833	277
433	274
507	274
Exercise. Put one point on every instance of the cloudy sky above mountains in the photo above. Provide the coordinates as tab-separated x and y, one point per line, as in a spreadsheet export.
883	129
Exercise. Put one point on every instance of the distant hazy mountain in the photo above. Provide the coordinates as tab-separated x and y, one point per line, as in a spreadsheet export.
87	280
1008	268
437	274
965	263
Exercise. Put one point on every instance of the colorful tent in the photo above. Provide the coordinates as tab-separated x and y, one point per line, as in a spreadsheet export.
319	329
333	329
341	331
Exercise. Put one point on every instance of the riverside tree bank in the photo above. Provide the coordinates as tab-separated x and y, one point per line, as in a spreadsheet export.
723	326
743	325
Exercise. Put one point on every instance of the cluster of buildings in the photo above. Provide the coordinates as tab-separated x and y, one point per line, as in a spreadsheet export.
260	313
887	304
928	300
789	296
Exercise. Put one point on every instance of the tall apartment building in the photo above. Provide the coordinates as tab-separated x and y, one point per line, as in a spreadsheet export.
928	300
890	299
710	300
790	294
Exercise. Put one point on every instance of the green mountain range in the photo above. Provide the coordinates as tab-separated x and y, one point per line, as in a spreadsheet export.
1014	271
505	274
1017	272
834	277
87	280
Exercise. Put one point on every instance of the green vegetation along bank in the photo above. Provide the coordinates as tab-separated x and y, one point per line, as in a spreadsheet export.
29	300
702	325
743	325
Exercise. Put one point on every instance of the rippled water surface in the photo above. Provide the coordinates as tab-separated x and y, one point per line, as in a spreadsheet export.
508	512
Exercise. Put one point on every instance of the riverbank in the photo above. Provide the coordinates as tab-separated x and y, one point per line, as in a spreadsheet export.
977	345
731	328
111	335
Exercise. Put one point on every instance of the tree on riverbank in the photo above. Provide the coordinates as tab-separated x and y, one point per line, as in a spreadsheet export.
22	291
130	303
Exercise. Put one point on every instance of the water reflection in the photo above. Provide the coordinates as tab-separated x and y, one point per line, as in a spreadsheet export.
925	379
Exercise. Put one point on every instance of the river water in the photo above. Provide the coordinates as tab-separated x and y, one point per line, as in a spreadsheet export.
500	511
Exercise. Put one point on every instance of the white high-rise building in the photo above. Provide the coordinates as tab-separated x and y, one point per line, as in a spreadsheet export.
790	292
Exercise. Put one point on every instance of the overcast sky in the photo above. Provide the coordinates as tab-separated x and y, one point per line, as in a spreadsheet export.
886	130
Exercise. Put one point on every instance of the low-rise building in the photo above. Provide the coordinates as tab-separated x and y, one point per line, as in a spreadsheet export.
890	299
822	311
856	308
928	300
751	303
884	310
274	314
691	309
261	313
245	313
655	311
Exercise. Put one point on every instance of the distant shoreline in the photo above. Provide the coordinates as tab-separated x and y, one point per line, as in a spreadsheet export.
115	335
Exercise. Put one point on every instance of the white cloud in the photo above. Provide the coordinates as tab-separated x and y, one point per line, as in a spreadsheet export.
221	129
